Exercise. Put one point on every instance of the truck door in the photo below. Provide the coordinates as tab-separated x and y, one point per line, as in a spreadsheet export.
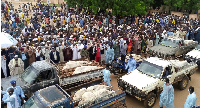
37	84
171	74
50	78
41	80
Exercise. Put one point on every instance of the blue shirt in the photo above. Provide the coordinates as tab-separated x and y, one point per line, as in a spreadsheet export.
81	22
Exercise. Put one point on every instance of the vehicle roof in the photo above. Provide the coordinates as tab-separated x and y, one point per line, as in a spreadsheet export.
51	96
41	65
158	61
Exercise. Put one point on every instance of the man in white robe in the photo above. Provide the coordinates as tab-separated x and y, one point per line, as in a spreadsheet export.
3	65
12	101
60	50
38	51
46	51
75	52
16	66
80	46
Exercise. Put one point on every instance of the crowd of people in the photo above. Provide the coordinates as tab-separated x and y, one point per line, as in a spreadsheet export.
61	34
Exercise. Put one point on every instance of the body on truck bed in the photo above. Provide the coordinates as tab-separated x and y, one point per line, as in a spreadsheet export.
146	82
56	97
42	74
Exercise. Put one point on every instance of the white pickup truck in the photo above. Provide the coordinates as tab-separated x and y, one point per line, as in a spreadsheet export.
146	82
194	56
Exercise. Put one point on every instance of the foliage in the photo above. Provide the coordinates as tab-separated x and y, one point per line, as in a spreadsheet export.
119	7
188	5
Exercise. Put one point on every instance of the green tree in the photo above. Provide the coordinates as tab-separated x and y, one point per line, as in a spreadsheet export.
187	5
119	7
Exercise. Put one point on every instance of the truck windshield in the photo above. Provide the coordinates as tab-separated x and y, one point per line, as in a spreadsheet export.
169	44
150	69
30	74
32	103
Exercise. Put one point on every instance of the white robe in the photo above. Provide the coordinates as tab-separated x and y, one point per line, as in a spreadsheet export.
149	44
16	70
38	52
3	66
12	101
75	53
60	50
46	53
80	47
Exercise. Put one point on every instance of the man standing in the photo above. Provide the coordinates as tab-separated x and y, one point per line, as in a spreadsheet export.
106	75
124	48
80	47
84	52
116	49
109	54
12	101
167	95
40	58
46	51
16	66
75	52
25	57
68	53
18	91
191	98
131	64
92	52
3	65
54	55
98	54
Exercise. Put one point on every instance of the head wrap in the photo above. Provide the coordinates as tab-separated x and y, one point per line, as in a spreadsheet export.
16	56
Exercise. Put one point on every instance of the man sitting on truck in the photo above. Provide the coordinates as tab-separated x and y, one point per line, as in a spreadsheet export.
166	73
131	64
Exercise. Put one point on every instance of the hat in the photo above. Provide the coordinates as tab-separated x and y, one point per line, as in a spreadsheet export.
16	56
85	46
13	82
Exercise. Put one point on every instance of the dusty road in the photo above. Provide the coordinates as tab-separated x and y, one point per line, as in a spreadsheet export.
179	99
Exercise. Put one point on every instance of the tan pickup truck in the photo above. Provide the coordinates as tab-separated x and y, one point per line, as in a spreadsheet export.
147	80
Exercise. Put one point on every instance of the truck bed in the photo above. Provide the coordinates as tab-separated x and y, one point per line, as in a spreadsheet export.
66	77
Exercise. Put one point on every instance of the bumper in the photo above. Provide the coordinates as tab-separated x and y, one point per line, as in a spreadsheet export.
131	90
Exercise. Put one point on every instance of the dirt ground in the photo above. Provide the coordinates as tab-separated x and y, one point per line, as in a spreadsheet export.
131	102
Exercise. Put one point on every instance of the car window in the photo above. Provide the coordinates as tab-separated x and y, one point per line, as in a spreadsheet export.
169	44
44	75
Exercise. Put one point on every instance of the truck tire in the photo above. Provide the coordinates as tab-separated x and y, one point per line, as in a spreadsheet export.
183	84
150	100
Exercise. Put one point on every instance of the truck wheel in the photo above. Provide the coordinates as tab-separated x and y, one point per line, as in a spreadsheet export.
150	101
183	84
